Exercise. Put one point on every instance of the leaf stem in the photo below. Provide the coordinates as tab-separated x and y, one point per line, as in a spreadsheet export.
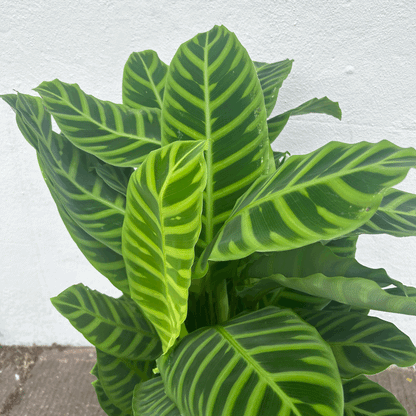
221	304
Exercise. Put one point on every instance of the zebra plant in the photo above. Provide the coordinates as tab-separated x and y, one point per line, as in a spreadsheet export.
241	295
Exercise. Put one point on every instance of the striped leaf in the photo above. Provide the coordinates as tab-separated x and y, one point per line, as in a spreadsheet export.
316	105
27	131
114	176
268	363
96	207
105	402
365	397
355	291
361	344
144	80
319	196
395	216
160	230
316	258
114	133
115	326
271	78
119	376
104	259
213	94
344	247
150	399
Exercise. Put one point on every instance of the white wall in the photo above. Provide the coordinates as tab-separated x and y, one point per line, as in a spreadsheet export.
359	53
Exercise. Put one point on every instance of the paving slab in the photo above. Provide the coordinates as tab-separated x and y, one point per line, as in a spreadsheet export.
59	384
55	381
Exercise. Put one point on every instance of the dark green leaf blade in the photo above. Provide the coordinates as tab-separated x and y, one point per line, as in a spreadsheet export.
213	94
105	402
343	247
267	363
365	397
112	132
115	326
144	80
109	263
395	216
361	344
150	399
271	78
316	105
160	230
319	196
119	376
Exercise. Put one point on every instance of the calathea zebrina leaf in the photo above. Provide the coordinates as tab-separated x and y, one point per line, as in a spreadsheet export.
365	397
267	363
361	344
271	78
104	259
395	216
112	132
161	227
28	131
114	176
150	399
119	376
212	93
317	105
115	326
319	196
354	291
105	402
316	258
343	247
144	80
97	208
35	125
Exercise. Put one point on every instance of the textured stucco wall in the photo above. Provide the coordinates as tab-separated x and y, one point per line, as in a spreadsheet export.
361	54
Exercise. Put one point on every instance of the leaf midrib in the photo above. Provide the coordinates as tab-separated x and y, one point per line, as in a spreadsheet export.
108	321
259	370
289	189
159	100
89	118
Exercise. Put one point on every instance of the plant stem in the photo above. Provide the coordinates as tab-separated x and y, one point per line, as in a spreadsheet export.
221	304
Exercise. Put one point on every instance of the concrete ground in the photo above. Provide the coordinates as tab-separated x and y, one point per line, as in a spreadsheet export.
55	381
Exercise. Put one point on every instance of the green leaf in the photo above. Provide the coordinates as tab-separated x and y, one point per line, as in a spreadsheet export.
312	259
144	80
344	247
28	132
316	105
361	344
212	93
365	397
97	208
160	230
271	78
355	291
150	399
119	376
319	196
104	259
395	216
115	177
115	326
105	402
279	158
268	363
112	132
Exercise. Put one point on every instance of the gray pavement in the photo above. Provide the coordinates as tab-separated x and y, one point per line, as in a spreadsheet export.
55	381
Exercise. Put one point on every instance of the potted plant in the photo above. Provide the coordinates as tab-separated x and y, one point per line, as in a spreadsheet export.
240	291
